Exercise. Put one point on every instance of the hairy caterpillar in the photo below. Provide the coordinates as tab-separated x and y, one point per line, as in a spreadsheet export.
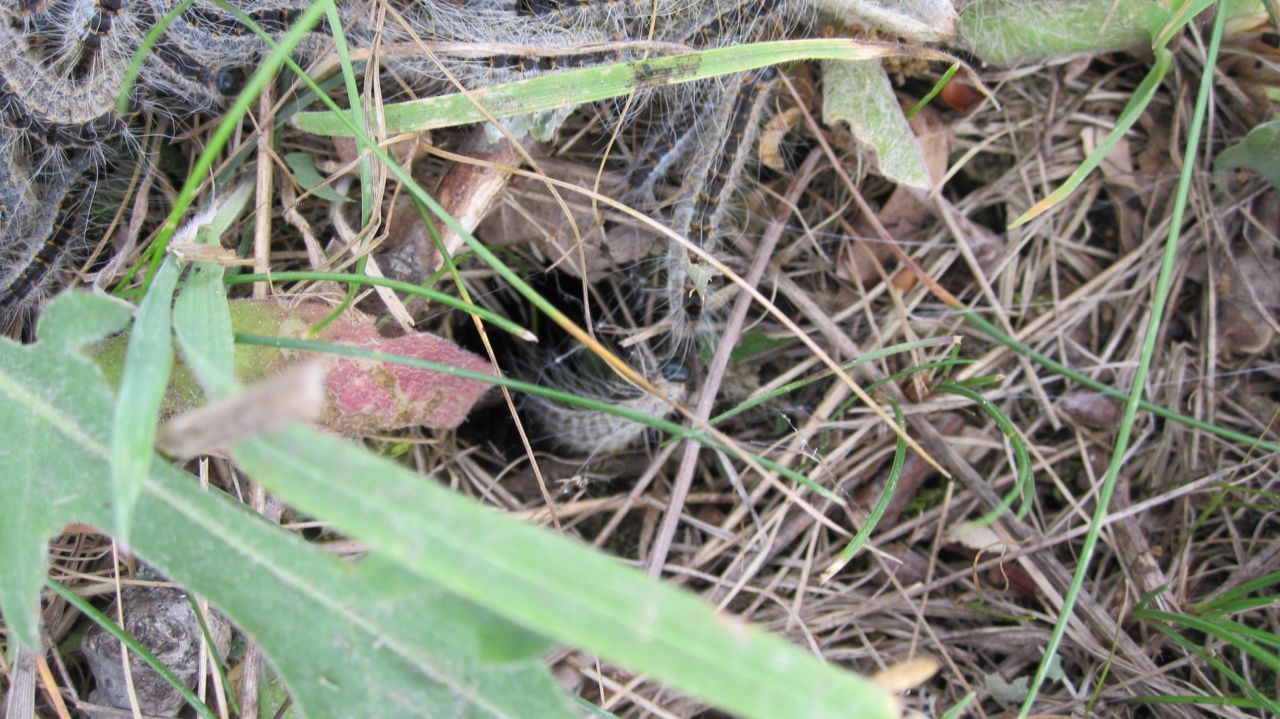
587	432
44	216
61	64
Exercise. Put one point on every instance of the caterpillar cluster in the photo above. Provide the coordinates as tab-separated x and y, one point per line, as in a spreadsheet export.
62	63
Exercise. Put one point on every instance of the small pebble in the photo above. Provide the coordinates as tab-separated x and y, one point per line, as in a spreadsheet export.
162	620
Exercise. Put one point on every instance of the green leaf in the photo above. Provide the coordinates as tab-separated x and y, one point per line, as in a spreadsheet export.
1012	32
1165	23
350	640
52	402
545	582
148	362
860	94
201	318
1258	151
201	315
553	585
304	170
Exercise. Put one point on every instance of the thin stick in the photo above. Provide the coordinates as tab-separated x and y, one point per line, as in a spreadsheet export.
262	208
715	371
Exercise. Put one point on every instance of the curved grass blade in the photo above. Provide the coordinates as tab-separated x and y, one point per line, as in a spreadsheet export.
882	504
222	134
1210	658
524	289
800	383
676	430
998	335
1137	104
1023	484
1228	600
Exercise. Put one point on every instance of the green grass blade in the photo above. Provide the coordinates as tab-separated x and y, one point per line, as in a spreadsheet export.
1023	484
343	52
559	318
1195	648
998	335
891	483
148	362
1150	333
1236	593
569	88
956	711
1241	637
222	134
934	91
144	49
219	666
1177	18
1235	606
825	374
1137	104
676	430
1191	699
487	315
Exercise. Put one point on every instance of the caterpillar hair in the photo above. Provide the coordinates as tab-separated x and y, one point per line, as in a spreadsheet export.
95	33
42	96
588	433
45	218
699	217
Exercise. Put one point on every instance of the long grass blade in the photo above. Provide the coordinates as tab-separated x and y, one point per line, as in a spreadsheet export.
570	88
1150	333
148	362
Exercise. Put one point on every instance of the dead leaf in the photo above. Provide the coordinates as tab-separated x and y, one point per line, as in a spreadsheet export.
771	137
906	212
295	395
530	215
361	396
409	251
1092	409
365	397
404	150
907	675
960	94
1248	283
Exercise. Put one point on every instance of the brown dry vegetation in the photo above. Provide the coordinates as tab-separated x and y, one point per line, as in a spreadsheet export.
1193	514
